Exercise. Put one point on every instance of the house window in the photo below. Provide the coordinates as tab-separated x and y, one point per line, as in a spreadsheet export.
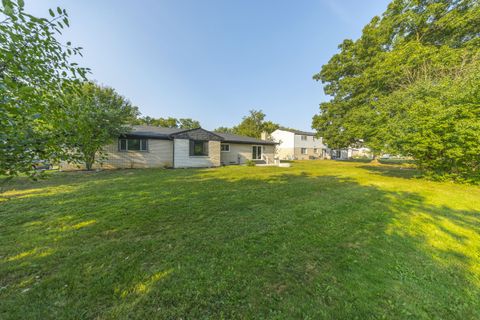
303	150
256	152
198	148
132	145
315	150
303	138
225	147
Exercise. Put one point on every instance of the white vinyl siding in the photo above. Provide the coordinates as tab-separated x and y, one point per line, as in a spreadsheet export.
241	152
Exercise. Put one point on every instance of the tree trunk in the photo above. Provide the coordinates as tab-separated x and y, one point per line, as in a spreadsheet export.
89	160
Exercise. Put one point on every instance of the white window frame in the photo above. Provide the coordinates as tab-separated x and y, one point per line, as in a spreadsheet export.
226	145
126	145
315	150
303	137
304	153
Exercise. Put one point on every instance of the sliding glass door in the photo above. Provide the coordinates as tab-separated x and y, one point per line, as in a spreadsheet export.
256	152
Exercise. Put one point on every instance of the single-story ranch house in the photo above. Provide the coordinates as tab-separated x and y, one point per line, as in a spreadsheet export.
153	147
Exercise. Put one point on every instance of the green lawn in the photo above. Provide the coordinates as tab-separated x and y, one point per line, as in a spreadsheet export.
321	239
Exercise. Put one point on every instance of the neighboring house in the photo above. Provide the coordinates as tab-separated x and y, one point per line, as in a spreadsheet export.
152	147
349	153
298	145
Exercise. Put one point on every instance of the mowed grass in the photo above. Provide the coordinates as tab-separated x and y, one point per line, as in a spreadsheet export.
319	240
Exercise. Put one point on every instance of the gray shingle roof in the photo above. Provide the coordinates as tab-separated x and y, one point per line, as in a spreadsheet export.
304	133
154	132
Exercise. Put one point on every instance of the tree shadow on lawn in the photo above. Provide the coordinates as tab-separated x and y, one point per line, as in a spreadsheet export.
360	160
393	171
207	243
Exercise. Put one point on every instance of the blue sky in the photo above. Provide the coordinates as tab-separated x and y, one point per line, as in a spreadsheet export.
213	60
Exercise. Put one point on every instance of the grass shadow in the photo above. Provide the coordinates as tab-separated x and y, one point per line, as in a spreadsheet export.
393	171
398	162
236	243
361	160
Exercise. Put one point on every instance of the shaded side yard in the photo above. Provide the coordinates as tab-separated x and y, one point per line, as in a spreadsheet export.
322	239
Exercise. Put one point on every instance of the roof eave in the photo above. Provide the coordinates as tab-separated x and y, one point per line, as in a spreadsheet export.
144	136
251	142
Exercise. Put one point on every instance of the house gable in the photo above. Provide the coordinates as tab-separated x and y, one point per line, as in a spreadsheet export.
197	134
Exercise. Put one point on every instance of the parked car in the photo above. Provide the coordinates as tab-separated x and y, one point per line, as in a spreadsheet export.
42	165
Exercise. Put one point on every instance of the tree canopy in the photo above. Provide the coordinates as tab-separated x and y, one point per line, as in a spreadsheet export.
97	116
182	123
34	69
413	46
252	125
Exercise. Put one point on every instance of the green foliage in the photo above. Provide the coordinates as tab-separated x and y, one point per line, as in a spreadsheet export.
33	70
250	163
340	240
97	115
187	123
159	122
437	121
252	125
225	130
182	123
411	42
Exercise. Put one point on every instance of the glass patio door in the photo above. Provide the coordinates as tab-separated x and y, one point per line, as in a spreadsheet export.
256	152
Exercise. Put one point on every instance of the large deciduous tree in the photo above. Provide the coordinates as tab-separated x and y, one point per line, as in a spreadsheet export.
224	130
98	115
33	68
437	121
252	125
182	123
187	123
413	43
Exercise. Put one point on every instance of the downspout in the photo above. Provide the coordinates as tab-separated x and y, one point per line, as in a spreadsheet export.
173	153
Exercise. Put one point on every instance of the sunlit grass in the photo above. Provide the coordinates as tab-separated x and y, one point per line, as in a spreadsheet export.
78	225
145	286
321	239
34	253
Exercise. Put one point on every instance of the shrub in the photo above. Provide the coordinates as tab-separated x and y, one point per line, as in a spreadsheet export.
250	163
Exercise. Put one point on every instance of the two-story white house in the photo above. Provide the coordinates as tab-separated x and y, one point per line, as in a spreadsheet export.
298	145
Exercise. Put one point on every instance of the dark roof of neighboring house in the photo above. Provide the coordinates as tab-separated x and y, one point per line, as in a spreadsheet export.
228	137
304	133
154	132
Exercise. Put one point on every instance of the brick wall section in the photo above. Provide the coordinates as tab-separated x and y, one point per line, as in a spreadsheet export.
214	152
